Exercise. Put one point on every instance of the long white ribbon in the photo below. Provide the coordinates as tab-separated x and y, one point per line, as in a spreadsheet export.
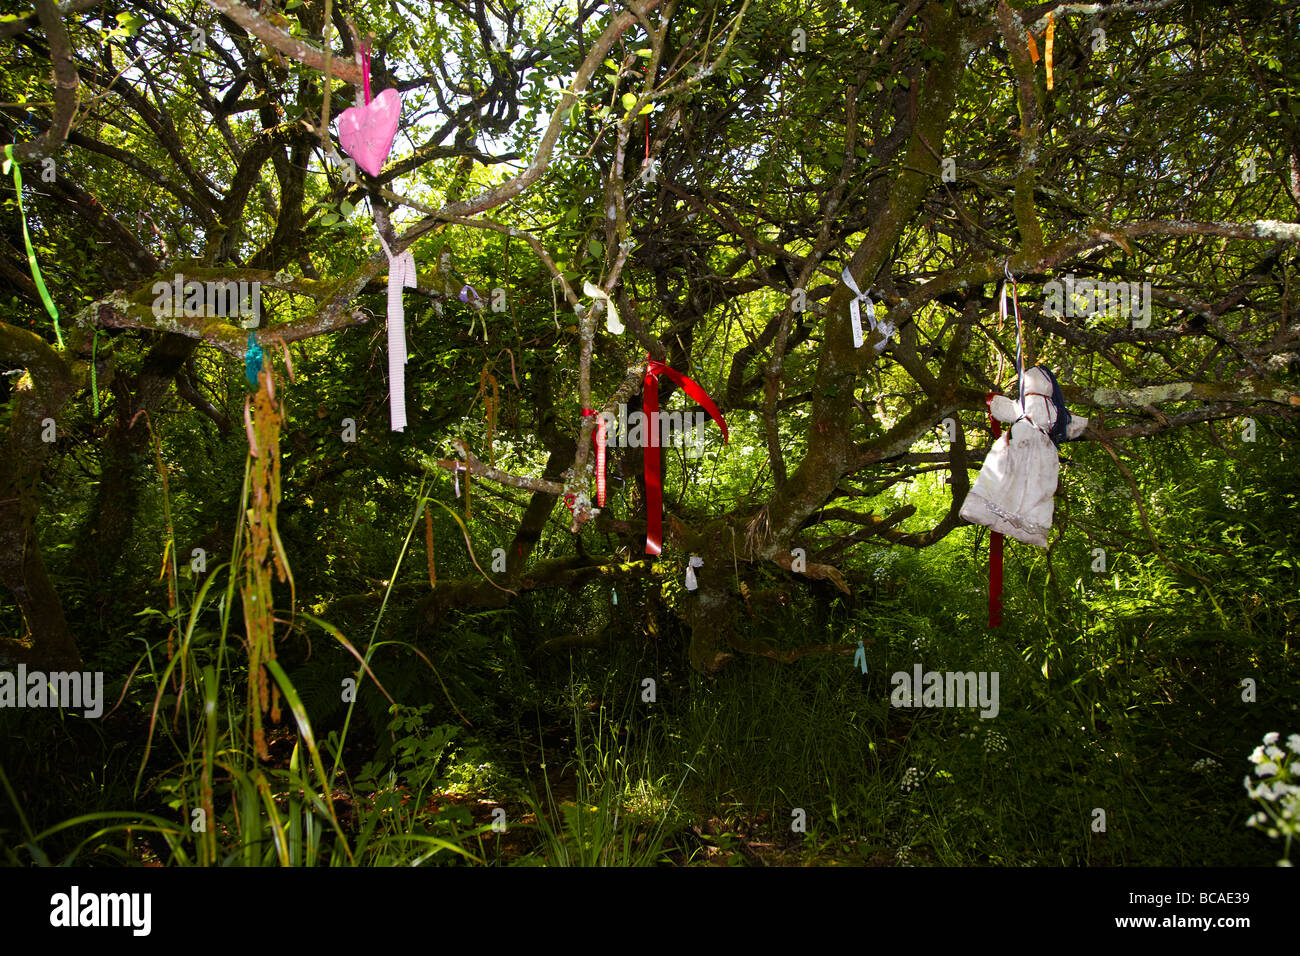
855	315
691	583
401	274
1002	318
612	322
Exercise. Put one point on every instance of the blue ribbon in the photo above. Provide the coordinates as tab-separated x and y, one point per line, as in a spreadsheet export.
252	361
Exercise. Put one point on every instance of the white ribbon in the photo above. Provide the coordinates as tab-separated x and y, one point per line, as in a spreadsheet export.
855	315
886	329
612	323
691	583
401	274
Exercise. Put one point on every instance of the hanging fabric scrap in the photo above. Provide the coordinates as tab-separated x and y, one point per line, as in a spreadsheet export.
691	583
598	437
653	480
367	132
612	322
855	315
401	274
27	240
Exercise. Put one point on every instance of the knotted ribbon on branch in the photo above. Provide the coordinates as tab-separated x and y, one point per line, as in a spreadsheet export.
855	315
612	322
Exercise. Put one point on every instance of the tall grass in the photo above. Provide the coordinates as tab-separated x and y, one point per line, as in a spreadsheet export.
228	808
622	814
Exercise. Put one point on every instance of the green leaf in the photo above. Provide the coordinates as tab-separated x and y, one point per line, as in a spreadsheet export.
648	108
131	22
644	54
346	208
629	100
329	219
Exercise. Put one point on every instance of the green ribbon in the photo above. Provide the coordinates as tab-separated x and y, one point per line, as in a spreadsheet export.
94	381
31	253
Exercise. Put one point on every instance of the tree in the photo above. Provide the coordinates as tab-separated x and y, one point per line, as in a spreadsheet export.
716	169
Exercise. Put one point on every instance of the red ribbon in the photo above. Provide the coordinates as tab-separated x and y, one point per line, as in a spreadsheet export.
995	541
654	503
598	436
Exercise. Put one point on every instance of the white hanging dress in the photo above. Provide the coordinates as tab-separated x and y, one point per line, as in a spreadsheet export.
1016	489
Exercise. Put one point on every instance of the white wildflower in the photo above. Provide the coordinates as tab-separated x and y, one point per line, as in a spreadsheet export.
1271	738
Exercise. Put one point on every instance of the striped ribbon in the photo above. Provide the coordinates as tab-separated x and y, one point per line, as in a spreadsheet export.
598	436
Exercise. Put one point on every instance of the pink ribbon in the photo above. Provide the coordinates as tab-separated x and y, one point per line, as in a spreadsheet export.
598	436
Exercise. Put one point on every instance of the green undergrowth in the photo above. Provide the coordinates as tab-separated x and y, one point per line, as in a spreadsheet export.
1130	697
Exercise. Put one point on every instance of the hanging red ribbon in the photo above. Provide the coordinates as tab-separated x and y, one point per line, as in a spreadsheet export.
654	503
995	540
598	436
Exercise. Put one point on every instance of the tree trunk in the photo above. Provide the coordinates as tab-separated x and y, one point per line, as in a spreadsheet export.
34	405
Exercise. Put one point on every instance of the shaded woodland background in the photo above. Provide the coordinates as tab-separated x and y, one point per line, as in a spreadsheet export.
713	167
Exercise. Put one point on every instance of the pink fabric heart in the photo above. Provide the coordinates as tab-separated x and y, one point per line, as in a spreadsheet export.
367	132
